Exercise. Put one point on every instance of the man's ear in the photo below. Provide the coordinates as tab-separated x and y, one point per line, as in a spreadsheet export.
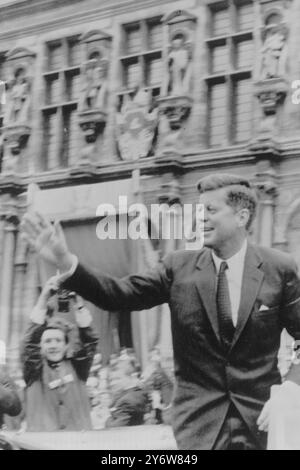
244	216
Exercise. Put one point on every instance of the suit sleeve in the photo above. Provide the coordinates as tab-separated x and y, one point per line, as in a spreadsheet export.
291	314
9	400
120	417
31	353
134	292
83	358
128	410
291	301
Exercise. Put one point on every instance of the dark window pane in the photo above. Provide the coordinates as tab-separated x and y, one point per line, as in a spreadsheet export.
155	36
74	142
73	85
244	54
154	72
243	99
132	74
218	118
74	52
53	92
50	141
132	39
55	56
70	136
245	16
220	22
219	59
3	78
4	69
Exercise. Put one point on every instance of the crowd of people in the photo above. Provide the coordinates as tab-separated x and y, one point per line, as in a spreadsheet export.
121	395
64	384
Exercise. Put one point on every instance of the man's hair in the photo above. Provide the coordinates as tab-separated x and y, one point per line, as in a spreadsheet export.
59	324
240	194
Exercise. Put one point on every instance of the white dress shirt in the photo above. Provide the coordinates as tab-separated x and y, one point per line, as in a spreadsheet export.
234	275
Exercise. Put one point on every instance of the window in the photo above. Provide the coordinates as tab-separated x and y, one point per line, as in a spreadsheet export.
231	54
4	78
61	136
141	55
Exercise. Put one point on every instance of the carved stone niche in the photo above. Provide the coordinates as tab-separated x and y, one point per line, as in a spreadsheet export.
92	107
176	101
272	85
17	110
274	50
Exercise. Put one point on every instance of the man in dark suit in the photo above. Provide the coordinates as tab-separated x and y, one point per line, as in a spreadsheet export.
129	397
10	403
229	303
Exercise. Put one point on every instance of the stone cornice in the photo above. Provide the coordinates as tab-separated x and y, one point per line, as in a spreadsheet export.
80	17
215	157
151	166
24	7
85	174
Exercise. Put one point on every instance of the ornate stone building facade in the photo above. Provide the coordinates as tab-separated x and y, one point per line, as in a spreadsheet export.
141	99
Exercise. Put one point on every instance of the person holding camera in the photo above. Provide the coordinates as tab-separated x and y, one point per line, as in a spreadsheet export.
55	371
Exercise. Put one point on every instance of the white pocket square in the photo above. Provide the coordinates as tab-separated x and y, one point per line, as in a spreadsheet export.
263	308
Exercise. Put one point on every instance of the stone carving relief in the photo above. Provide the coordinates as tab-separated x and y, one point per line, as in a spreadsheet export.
94	88
136	125
181	36
18	97
179	66
273	63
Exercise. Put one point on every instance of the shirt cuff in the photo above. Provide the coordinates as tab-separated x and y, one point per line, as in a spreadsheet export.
62	277
290	385
38	315
83	317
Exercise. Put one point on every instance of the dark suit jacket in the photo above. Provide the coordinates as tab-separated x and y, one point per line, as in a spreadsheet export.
9	400
128	408
208	379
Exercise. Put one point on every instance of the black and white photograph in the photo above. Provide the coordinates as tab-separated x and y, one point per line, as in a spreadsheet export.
149	227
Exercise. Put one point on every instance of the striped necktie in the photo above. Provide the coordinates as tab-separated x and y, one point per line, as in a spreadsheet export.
224	307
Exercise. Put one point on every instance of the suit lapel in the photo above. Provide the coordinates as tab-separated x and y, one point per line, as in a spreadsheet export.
252	280
205	281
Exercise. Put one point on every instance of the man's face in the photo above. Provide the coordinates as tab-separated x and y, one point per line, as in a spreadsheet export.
53	345
221	222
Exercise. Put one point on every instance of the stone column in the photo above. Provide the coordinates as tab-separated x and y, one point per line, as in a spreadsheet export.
267	195
7	274
173	228
17	321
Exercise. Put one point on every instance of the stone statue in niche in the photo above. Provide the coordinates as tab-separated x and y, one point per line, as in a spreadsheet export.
274	54
94	85
18	99
179	66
